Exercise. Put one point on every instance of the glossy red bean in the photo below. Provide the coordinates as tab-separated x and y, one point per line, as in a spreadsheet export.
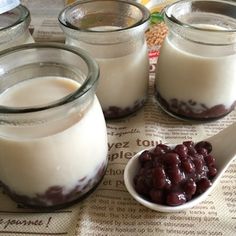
203	184
159	150
157	196
159	177
190	187
171	159
204	144
210	160
145	156
198	163
175	175
181	150
188	144
175	198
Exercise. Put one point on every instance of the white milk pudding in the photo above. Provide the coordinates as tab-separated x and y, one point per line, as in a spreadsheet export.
123	83
195	80
57	161
113	32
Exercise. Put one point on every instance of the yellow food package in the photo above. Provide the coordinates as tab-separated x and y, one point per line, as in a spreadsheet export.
156	5
69	2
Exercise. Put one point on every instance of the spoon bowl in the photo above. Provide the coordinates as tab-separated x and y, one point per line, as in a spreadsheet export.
223	150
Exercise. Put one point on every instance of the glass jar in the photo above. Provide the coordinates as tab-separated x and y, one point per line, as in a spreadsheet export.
14	27
53	139
113	32
196	70
7	5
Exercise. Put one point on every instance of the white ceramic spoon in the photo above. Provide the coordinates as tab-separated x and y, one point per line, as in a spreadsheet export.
224	151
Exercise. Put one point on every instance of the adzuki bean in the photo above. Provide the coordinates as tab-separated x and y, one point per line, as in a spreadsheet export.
172	176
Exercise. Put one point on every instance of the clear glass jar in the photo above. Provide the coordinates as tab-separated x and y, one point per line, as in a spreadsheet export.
53	139
7	5
196	70
14	27
113	32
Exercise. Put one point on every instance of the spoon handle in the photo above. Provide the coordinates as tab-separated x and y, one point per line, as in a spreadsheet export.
224	146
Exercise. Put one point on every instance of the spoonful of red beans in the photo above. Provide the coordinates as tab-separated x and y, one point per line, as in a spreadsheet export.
170	178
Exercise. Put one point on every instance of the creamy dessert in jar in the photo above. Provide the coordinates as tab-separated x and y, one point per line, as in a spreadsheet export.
195	76
53	139
197	86
14	27
123	84
51	163
117	42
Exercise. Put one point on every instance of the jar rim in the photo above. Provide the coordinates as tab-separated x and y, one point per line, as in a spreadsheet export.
90	80
63	16
175	12
24	17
